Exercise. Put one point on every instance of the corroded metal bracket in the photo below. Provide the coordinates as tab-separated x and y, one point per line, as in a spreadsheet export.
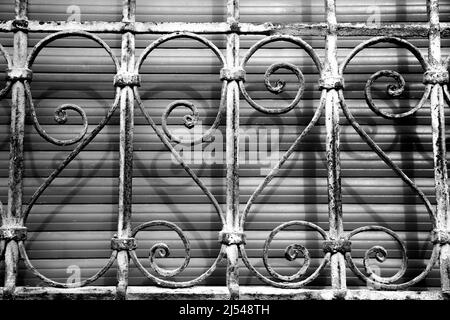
13	233
334	246
436	76
441	237
19	74
232	238
19	25
233	74
330	82
127	79
123	244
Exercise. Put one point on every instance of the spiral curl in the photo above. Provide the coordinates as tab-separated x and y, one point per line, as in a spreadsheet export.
190	120
393	90
291	253
60	117
280	84
380	254
163	250
60	112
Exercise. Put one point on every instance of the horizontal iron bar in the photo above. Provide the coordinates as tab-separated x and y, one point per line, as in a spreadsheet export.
205	292
298	29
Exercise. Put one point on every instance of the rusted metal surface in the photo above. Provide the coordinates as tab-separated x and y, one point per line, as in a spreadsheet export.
336	243
409	30
232	153
126	143
439	80
219	293
331	71
13	215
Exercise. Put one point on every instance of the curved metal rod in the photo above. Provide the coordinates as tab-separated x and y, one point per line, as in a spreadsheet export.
64	34
173	284
163	249
87	139
291	253
274	67
2	248
446	62
60	112
190	120
371	42
381	253
446	94
177	35
183	164
60	118
283	159
50	282
2	241
383	156
393	90
8	83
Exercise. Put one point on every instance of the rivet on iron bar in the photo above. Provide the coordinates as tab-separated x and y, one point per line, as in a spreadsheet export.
20	24
123	244
232	74
441	237
125	79
232	238
129	27
13	233
330	82
234	25
19	74
335	246
436	76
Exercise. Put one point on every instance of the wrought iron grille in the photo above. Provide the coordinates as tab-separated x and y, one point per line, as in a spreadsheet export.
337	245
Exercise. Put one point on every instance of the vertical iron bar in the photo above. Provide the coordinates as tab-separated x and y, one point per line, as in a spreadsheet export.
126	147
16	169
439	148
232	151
331	70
